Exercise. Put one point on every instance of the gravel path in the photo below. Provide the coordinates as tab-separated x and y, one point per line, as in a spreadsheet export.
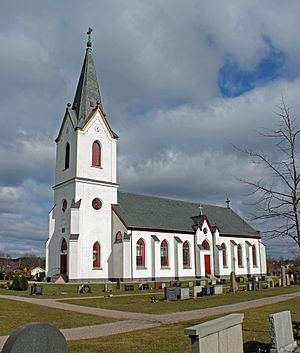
137	321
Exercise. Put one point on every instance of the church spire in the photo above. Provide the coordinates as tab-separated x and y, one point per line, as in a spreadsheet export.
87	95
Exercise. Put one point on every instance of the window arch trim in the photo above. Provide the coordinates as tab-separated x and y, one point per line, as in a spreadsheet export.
164	253
97	255
96	154
140	253
186	254
224	254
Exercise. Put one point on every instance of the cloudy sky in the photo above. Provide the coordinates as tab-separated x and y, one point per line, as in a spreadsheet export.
181	81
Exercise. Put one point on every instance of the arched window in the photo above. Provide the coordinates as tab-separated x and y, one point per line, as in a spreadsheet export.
164	258
224	255
118	238
205	245
254	256
140	252
96	154
96	255
67	156
64	246
186	254
240	256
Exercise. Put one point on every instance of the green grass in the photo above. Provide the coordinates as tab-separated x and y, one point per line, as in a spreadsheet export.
14	314
68	290
170	338
143	304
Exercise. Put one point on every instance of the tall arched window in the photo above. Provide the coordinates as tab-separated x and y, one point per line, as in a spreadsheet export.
224	255
205	245
240	256
164	258
67	156
64	246
96	255
96	154
140	252
186	254
254	256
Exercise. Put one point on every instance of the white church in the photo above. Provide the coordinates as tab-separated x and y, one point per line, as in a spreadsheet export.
98	233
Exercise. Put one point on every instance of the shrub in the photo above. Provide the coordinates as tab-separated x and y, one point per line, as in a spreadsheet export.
16	282
20	283
23	283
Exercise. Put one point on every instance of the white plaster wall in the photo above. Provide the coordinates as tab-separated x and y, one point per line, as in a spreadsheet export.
96	131
263	258
95	226
68	136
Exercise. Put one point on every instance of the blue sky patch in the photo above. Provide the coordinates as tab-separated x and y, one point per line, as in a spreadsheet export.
233	81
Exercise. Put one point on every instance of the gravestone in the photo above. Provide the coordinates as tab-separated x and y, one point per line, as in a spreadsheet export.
197	291
144	286
249	286
118	283
36	338
184	293
292	279
163	285
172	293
198	283
172	283
37	290
205	291
279	282
223	281
254	284
297	279
129	287
270	282
213	282
108	287
191	284
287	280
222	335
202	283
157	285
260	285
282	339
282	277
233	285
218	289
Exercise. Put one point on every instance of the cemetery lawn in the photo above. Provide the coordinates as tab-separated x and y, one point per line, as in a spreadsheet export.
170	338
14	314
143	303
69	290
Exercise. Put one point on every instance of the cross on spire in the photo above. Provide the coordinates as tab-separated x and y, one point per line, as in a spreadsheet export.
89	32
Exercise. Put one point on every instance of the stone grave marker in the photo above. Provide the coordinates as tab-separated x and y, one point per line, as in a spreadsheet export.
118	283
297	279
249	286
184	293
260	285
279	282
157	285
197	291
282	277
202	283
282	339
222	335
191	284
108	287
163	285
36	338
233	285
254	284
287	280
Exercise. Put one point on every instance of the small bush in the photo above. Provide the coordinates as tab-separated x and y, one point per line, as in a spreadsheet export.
16	283
20	283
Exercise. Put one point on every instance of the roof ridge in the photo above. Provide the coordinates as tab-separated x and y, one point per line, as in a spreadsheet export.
170	199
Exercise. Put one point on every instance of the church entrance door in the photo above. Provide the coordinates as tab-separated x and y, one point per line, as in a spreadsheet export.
63	264
207	264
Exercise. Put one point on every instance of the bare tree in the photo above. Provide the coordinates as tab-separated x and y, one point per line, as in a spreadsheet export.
277	198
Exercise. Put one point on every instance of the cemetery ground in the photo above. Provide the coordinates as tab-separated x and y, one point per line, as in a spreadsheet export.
163	338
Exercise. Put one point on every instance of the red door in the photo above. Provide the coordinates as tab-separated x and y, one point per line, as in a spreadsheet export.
63	264
207	264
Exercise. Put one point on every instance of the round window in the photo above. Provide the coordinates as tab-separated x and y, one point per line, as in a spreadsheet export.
64	205
97	204
205	230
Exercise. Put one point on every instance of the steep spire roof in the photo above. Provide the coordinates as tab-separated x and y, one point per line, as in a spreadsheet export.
87	93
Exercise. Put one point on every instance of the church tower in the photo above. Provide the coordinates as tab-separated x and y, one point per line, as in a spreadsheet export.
79	244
